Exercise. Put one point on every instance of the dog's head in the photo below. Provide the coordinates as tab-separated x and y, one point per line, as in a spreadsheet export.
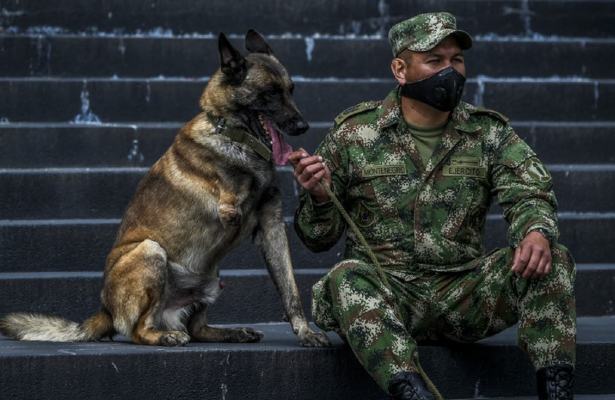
255	88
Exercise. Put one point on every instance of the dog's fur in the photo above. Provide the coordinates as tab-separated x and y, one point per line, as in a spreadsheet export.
197	202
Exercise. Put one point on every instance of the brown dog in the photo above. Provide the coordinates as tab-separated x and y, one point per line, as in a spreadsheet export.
212	187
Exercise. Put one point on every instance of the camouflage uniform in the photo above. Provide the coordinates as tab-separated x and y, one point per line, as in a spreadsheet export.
424	31
425	224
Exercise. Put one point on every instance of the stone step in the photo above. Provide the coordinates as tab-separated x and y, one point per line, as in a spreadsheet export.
249	294
75	245
309	56
276	368
35	145
78	245
176	99
44	193
163	17
576	396
89	192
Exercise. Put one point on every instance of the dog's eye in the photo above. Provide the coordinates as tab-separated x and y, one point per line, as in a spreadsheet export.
272	93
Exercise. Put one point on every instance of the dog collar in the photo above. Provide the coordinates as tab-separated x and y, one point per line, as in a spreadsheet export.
241	136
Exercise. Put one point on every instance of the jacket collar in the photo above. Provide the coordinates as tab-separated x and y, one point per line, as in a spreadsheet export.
461	118
389	114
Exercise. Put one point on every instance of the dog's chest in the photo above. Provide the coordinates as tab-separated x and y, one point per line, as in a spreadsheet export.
209	241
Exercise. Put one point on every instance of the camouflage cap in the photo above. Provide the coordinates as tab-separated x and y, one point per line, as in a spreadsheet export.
424	31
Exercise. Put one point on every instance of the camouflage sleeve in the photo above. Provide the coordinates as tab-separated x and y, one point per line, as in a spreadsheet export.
524	189
321	225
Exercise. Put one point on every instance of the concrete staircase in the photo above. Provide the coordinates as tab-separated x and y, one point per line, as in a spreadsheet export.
92	93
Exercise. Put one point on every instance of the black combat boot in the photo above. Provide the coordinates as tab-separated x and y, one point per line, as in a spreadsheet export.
555	382
409	386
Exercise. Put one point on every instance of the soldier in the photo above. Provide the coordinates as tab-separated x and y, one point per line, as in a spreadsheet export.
416	172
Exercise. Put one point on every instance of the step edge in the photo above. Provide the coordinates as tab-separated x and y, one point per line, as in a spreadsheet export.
168	34
229	272
485	79
138	125
559	167
85	274
19	223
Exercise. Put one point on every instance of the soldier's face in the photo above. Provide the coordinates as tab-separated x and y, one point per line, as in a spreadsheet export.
413	66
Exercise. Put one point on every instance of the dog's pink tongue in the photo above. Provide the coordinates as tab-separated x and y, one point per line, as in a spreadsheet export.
281	149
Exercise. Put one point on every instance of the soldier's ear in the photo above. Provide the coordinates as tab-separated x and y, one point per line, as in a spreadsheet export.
398	68
232	63
255	43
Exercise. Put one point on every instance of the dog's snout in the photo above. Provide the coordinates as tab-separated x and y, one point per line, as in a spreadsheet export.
301	126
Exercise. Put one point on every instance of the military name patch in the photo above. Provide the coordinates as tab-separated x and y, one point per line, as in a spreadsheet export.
464	166
383	170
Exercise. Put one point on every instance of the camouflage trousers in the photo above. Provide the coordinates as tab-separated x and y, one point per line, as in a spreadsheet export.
460	306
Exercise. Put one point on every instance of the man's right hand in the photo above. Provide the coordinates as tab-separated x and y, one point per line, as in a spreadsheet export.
309	171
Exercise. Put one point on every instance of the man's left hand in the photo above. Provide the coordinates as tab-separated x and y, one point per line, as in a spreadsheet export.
533	256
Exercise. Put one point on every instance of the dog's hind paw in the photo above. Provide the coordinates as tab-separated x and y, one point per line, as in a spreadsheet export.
251	335
248	335
309	338
174	338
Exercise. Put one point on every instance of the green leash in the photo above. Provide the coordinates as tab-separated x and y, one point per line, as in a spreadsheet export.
430	385
358	234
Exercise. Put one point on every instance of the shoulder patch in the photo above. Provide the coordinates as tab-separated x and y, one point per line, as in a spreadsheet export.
356	109
493	113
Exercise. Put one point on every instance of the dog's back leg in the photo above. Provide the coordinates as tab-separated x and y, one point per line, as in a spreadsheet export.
201	332
133	293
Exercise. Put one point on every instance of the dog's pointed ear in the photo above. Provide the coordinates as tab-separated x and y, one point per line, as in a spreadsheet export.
232	63
255	43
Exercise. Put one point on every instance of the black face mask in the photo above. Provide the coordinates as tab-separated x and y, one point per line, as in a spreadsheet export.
442	90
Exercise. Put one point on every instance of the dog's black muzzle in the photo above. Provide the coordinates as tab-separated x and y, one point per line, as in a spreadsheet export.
297	127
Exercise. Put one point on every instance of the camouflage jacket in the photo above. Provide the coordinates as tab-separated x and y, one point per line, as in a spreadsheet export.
429	216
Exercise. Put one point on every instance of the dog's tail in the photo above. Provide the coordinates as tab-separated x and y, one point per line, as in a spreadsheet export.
37	327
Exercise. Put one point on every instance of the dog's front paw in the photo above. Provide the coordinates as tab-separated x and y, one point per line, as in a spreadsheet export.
309	338
229	214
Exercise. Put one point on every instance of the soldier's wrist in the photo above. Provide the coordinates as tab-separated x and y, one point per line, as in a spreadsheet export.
544	232
320	199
